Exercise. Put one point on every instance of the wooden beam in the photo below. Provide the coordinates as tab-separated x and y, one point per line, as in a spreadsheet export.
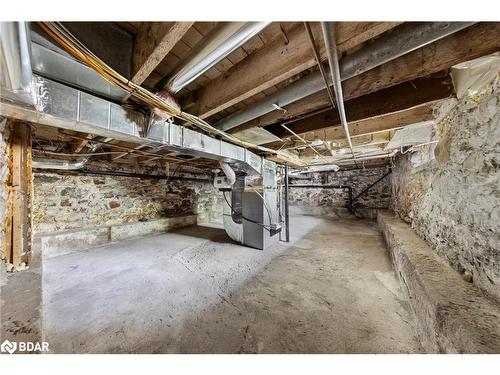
119	156
21	194
475	41
153	42
276	62
82	143
385	122
396	98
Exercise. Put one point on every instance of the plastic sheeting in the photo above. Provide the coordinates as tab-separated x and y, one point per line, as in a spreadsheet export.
469	77
416	134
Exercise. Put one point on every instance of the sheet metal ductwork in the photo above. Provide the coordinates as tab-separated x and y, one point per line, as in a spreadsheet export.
253	218
407	38
251	214
212	49
15	62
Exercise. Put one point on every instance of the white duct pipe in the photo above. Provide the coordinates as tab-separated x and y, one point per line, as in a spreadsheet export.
215	47
64	165
229	172
328	29
234	230
15	62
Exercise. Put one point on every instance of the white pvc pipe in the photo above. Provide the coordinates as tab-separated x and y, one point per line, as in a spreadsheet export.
229	172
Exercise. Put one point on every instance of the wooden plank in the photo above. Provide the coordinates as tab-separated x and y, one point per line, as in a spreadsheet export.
119	156
21	194
385	122
153	42
275	62
396	98
81	144
473	42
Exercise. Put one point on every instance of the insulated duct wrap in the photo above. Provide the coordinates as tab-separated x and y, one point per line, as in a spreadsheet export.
68	108
15	62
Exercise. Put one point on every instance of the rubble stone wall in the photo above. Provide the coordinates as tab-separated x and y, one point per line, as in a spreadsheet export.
377	197
453	200
63	202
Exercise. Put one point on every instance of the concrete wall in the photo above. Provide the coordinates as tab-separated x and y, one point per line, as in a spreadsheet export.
453	201
377	197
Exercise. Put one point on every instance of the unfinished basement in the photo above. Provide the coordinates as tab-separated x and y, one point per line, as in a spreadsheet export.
250	187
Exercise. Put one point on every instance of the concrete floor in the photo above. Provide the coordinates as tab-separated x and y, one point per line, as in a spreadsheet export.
331	290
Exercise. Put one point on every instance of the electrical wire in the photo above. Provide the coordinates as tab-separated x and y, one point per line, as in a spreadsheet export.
266	227
76	48
79	155
263	201
317	56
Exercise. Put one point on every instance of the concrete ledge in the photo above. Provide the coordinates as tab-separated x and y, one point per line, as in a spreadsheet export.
60	243
452	315
340	212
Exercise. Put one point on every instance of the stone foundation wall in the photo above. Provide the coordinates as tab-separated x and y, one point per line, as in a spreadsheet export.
377	197
453	201
63	202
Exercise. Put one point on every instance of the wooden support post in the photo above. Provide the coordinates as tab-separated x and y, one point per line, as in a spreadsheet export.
21	192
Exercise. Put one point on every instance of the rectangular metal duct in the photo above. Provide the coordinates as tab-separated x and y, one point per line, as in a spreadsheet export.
69	108
63	68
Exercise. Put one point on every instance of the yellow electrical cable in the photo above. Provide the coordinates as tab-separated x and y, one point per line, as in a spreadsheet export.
82	53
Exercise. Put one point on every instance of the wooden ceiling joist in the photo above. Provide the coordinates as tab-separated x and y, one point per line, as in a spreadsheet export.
276	62
468	44
396	98
153	42
386	122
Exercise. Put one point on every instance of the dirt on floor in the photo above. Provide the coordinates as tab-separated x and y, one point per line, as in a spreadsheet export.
331	290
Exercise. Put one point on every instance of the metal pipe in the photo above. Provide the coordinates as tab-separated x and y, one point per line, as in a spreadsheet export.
349	191
405	39
139	175
228	171
15	62
287	209
321	68
212	49
381	156
328	29
371	185
65	165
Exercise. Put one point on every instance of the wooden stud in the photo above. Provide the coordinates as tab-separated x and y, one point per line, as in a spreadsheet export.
21	194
